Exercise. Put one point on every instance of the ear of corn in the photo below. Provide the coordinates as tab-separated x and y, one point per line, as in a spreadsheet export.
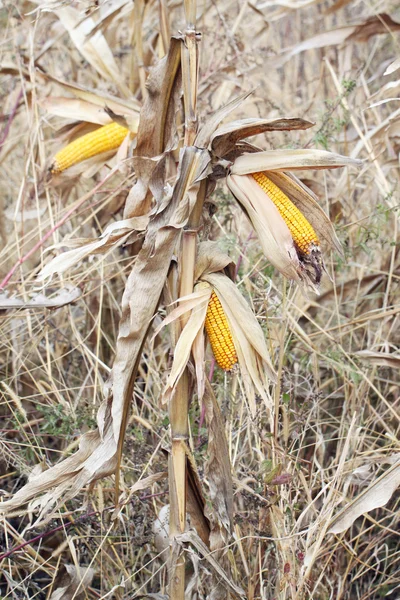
108	137
302	232
219	334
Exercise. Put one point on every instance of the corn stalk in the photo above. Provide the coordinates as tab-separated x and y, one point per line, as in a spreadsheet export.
179	405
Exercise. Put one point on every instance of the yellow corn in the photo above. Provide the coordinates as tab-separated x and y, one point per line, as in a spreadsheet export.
108	137
219	334
302	232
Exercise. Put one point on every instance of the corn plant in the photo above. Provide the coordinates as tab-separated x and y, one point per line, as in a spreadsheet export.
178	268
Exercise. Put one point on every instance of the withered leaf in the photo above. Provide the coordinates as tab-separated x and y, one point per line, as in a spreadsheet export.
71	583
225	138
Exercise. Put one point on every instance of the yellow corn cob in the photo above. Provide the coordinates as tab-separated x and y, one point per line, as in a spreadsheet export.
302	232
105	138
219	333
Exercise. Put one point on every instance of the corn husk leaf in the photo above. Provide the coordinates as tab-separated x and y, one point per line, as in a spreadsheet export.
279	160
225	138
119	106
248	337
76	109
193	327
376	495
112	237
273	233
307	202
210	259
71	582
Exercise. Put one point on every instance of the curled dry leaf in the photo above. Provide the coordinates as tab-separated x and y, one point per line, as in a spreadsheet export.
376	495
112	237
157	131
71	583
225	138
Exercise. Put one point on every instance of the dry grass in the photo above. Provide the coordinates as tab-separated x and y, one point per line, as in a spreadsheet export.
339	421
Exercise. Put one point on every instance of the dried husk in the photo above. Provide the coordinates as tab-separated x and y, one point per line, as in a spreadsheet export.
278	160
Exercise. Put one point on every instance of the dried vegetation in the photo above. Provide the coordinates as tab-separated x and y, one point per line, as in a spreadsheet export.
300	499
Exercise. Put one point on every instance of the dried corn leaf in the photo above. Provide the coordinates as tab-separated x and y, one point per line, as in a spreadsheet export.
218	472
393	67
66	295
204	136
71	583
193	539
195	500
225	138
381	359
112	237
94	459
279	160
361	32
94	49
156	133
376	495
